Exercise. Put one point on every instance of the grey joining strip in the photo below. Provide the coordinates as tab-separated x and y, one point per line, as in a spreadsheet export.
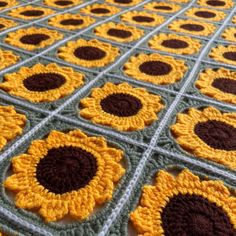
154	139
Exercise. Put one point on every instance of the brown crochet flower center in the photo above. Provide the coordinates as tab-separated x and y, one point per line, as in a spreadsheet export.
65	169
73	22
32	13
217	134
34	39
44	81
215	3
89	53
230	56
100	11
205	14
155	68
121	104
119	33
63	3
174	43
192	27
225	85
141	19
193	215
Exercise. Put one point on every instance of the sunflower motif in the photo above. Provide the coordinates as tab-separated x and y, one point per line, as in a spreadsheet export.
62	3
88	53
155	68
33	38
65	174
205	14
124	2
7	4
71	21
121	107
222	4
100	10
230	34
185	205
6	24
11	125
142	18
7	58
192	27
162	7
30	12
219	84
118	32
234	20
174	43
207	134
225	54
42	83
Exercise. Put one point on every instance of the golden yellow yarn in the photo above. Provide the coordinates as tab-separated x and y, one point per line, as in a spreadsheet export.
147	216
7	24
218	52
67	53
120	3
102	31
56	21
13	83
207	77
14	38
53	3
92	110
228	4
156	42
7	58
229	34
88	9
185	135
132	68
129	17
10	3
78	204
17	12
11	125
152	7
208	28
219	15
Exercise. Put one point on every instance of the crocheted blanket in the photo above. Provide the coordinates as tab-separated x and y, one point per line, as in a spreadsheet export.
118	117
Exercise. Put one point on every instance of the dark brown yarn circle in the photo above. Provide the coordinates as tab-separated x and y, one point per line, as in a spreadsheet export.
44	81
32	13
143	19
2	26
119	33
124	1
215	3
63	3
34	39
121	104
3	4
192	27
205	14
225	85
230	56
193	215
217	134
174	43
73	22
89	53
167	8
100	11
65	169
155	68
